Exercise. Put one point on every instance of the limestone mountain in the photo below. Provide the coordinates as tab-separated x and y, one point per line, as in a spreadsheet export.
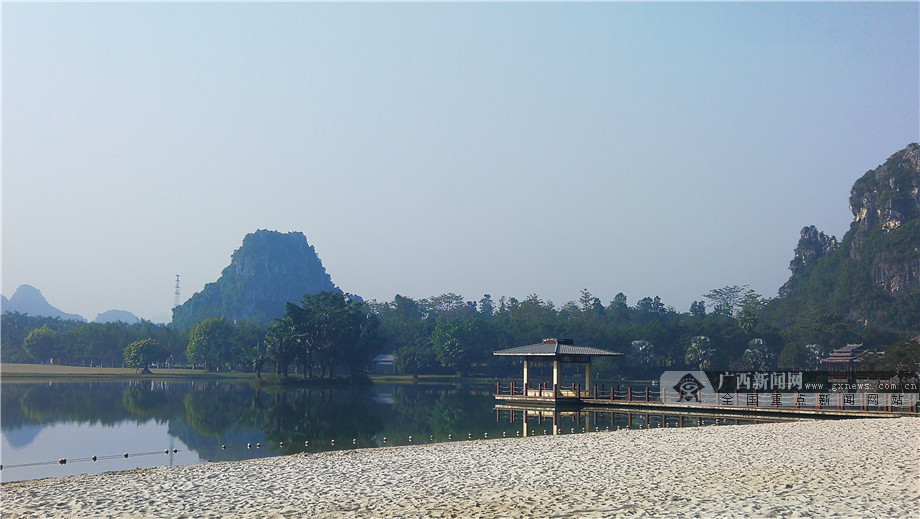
29	300
116	316
871	278
267	271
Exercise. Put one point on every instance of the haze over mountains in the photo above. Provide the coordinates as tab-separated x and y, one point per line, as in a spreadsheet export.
870	276
29	300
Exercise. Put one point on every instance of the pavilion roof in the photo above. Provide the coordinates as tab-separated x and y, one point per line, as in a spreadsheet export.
849	353
556	347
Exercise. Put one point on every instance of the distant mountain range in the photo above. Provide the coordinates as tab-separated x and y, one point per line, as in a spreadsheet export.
116	316
267	271
29	300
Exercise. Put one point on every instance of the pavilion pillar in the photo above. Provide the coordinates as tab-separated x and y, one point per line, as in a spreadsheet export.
588	377
526	374
556	370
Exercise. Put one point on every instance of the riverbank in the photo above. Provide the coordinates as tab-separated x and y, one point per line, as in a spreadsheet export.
10	372
845	468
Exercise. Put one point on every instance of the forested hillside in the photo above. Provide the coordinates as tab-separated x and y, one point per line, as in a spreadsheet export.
275	308
268	270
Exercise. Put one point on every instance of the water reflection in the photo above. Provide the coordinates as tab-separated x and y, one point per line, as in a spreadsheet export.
538	421
220	421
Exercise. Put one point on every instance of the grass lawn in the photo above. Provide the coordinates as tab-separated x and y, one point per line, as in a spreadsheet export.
32	371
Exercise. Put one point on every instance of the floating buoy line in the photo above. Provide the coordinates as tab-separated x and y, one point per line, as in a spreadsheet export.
258	445
65	461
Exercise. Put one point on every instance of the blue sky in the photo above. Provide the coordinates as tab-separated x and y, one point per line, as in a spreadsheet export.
654	149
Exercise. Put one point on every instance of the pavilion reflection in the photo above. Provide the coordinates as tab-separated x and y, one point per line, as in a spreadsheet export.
547	420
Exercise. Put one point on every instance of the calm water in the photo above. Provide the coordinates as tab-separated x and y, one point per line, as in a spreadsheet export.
42	423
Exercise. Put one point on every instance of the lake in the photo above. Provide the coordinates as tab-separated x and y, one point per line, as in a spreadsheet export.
162	423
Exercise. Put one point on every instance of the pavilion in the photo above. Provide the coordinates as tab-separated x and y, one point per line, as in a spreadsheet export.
557	351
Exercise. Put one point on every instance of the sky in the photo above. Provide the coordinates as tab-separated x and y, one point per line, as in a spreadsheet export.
424	148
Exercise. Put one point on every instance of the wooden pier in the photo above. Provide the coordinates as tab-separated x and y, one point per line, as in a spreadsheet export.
649	399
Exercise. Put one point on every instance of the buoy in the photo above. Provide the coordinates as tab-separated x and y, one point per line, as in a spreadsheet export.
354	441
486	435
126	455
517	433
431	438
450	436
470	436
582	429
248	445
504	434
281	444
384	439
166	451
572	431
410	438
223	447
258	445
175	451
93	458
63	461
333	442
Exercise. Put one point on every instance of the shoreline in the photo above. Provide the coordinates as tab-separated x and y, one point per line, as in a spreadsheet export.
844	468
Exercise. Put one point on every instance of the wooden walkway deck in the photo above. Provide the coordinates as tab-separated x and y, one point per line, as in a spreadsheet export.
648	400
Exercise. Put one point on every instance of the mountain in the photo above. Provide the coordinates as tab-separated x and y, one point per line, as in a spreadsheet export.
267	271
116	316
29	300
871	278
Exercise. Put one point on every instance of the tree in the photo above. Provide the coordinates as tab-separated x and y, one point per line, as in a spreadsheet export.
758	356
700	352
42	343
209	343
751	305
140	354
726	300
698	309
331	328
642	353
280	343
456	343
254	359
903	356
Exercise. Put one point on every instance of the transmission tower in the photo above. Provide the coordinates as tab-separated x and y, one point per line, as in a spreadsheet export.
176	300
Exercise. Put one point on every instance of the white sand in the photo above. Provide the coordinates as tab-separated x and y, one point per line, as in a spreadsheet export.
847	468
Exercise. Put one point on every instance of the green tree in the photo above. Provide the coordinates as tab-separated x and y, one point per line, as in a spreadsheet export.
140	354
749	314
725	301
333	329
209	343
455	343
642	354
700	352
281	343
758	356
903	356
42	343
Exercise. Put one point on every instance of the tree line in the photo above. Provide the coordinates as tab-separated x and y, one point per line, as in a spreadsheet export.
330	334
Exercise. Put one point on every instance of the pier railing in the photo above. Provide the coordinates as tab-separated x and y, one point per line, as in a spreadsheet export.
864	402
574	390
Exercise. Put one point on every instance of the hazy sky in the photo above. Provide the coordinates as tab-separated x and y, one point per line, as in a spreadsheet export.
654	149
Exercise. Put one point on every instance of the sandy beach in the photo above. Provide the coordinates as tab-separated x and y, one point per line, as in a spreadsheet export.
845	468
